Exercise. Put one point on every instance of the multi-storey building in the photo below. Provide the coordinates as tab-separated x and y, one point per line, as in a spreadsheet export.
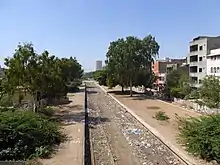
199	48
213	62
159	68
183	67
98	65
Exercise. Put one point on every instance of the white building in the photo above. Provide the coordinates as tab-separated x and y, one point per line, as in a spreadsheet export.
98	65
213	62
199	48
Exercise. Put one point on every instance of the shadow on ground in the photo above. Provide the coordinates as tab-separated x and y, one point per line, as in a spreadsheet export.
69	116
97	120
136	95
126	92
91	92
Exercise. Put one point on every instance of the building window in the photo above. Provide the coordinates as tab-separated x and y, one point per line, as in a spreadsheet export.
218	69
211	69
161	78
193	48
215	70
200	58
200	69
200	47
213	58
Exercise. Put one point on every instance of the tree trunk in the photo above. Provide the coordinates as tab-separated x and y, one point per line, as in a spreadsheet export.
145	90
34	102
131	93
122	88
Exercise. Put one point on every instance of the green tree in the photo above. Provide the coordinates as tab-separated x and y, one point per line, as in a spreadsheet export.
127	57
22	70
177	84
209	92
145	78
101	77
116	63
41	75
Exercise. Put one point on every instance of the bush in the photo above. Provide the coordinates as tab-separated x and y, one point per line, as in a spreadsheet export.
6	101
160	115
26	134
48	111
201	136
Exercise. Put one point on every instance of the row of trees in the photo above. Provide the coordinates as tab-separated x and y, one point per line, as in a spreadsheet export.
129	62
29	134
40	75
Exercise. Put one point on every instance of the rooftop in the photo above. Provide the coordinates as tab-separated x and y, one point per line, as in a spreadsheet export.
203	37
214	52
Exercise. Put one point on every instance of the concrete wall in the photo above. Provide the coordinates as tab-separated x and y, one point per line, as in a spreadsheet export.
191	104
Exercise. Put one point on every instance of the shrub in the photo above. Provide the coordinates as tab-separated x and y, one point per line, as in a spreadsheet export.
48	111
6	101
160	115
26	134
201	136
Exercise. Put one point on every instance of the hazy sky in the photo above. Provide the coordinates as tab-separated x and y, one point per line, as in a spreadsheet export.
84	28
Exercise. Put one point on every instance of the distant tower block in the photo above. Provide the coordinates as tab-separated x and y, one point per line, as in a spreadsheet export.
99	65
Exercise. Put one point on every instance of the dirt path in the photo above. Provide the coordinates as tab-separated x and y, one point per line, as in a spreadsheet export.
146	109
72	151
118	138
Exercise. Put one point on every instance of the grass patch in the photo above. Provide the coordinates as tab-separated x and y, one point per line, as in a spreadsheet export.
160	115
201	136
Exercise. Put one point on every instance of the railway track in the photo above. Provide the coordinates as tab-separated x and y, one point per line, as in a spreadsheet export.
117	138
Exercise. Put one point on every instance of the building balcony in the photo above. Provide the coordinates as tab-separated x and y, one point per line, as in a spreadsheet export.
193	74
194	63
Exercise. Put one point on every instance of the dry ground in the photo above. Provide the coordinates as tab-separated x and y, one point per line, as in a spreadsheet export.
72	115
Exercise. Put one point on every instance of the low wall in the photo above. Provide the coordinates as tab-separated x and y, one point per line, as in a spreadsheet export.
191	104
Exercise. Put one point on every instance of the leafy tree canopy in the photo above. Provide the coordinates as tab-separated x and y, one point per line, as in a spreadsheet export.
42	74
131	56
209	92
177	84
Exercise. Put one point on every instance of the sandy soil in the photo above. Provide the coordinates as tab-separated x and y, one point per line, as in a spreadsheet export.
72	151
146	109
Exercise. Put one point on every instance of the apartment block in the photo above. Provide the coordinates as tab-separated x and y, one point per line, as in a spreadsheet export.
199	48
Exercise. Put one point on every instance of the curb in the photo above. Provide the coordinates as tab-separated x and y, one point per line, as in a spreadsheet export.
185	158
